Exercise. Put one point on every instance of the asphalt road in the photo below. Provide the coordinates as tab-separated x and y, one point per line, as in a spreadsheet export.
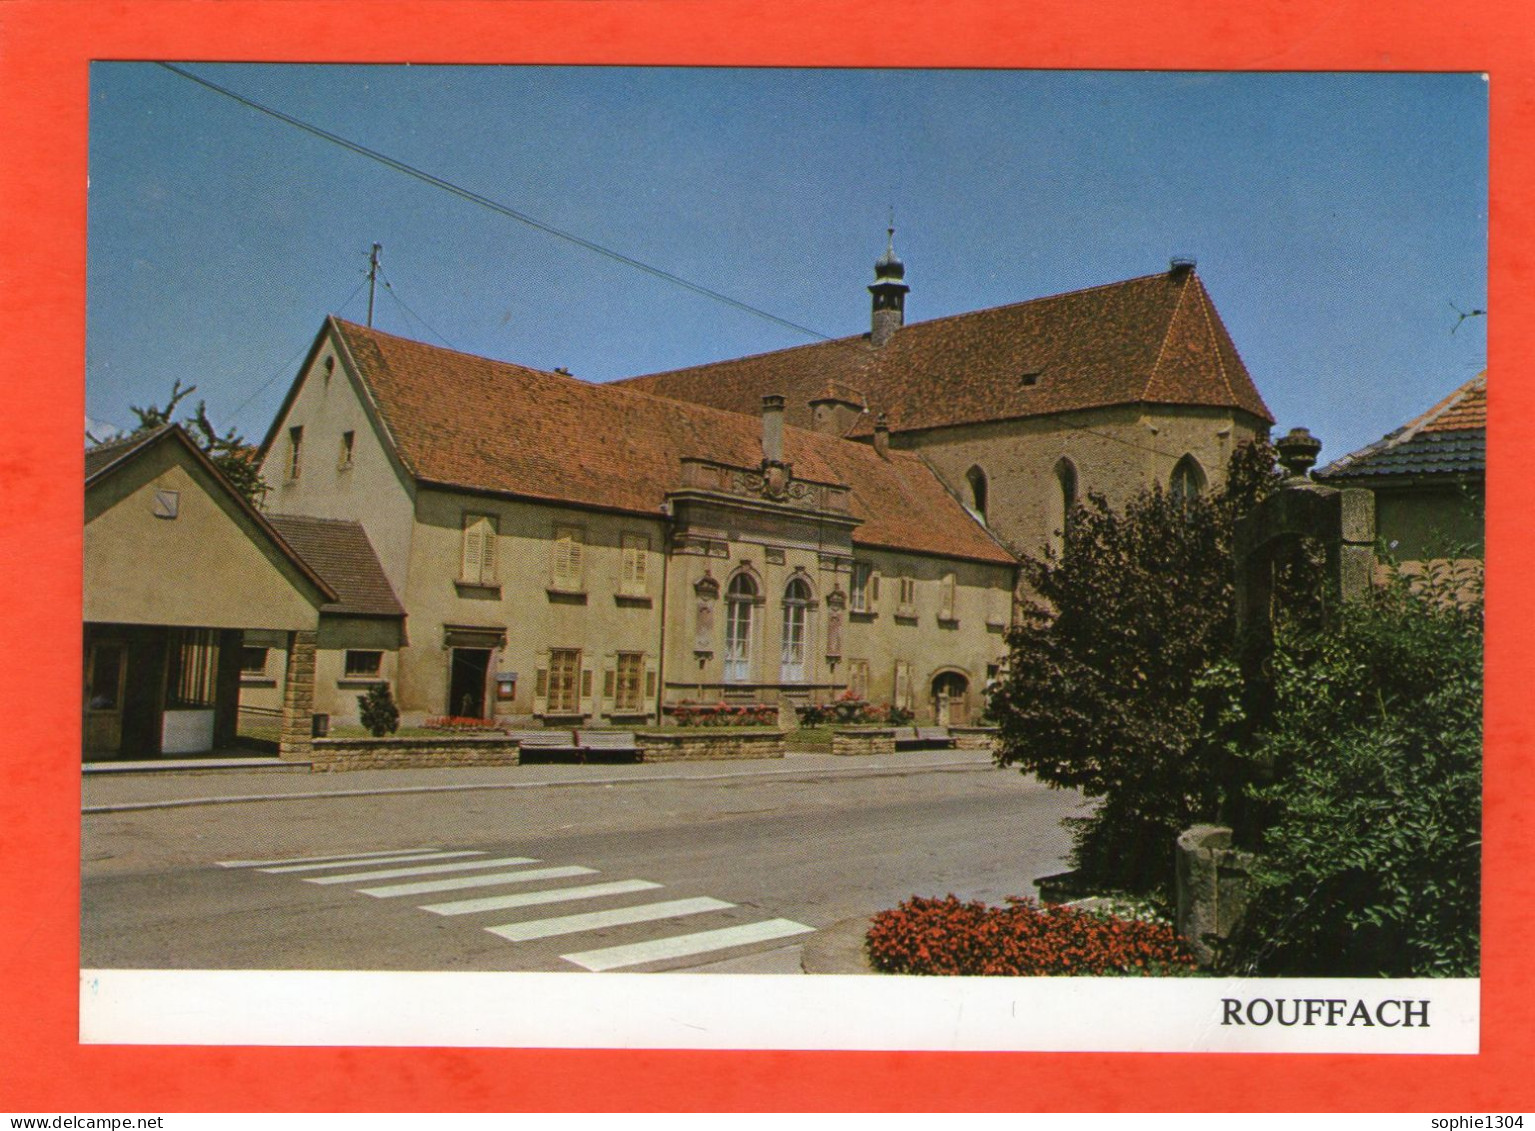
726	868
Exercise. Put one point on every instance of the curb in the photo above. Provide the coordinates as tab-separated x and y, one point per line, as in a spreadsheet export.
837	949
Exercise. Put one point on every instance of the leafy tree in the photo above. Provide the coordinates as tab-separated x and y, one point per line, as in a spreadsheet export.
377	711
1370	861
1099	689
228	449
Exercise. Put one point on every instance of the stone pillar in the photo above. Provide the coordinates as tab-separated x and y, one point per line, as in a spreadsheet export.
1212	889
295	738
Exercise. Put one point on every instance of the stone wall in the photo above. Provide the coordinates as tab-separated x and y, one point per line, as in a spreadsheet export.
975	738
338	754
711	743
863	740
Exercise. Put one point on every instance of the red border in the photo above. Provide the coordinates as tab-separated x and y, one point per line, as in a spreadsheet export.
45	46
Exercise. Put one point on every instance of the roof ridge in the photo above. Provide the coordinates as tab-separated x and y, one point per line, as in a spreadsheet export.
1443	407
1167	336
1205	309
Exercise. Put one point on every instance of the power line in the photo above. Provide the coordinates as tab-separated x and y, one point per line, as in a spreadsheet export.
394	294
521	217
495	206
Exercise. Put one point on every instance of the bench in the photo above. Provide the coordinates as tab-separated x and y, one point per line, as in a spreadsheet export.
608	746
912	738
546	746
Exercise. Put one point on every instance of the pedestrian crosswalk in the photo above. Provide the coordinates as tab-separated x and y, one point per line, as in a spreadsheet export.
625	906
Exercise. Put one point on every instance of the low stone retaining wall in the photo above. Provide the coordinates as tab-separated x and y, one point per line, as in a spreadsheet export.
711	744
863	740
339	754
975	738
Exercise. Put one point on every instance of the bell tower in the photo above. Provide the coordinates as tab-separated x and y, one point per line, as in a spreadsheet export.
889	291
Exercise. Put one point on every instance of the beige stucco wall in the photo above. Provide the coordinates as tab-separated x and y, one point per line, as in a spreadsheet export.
374	490
1116	452
596	620
211	566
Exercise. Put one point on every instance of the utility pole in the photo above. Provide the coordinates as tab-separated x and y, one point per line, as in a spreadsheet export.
372	279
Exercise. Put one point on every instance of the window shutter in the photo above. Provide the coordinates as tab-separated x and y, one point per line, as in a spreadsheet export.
565	566
650	681
586	687
541	685
873	591
902	683
609	685
469	568
635	550
487	549
998	607
946	608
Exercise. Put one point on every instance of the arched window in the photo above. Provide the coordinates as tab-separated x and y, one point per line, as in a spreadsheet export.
1064	502
977	480
1188	481
796	618
740	600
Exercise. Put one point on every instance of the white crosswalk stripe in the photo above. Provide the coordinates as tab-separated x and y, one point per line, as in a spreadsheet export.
424	870
592	920
680	946
535	898
340	857
285	869
426	887
424	873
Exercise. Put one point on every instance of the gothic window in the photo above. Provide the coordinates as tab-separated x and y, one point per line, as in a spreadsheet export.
1188	481
740	600
1064	503
977	480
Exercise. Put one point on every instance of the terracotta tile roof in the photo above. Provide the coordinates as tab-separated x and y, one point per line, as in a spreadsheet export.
1448	439
1155	339
339	551
470	422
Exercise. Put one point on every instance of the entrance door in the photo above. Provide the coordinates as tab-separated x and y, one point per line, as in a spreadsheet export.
949	690
467	682
106	669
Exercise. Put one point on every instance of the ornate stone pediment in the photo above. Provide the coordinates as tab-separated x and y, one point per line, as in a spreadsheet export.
773	482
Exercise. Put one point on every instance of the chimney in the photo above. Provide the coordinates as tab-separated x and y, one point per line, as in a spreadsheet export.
772	428
882	436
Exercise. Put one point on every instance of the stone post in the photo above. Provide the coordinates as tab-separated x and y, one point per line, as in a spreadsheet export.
295	740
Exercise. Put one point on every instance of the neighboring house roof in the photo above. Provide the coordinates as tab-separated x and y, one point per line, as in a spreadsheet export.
339	551
463	421
1151	340
1449	439
108	454
105	460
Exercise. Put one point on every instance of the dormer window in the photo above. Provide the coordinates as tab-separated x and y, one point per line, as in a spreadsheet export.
1029	377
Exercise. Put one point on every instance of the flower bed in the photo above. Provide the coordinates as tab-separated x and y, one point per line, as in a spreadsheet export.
848	710
459	723
689	714
947	936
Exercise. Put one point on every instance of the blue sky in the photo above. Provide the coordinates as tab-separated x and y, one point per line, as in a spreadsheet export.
1338	219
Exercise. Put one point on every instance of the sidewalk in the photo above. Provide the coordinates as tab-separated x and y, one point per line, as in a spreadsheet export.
222	783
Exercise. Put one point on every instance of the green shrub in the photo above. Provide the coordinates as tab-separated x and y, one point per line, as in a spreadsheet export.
1370	861
1099	689
377	712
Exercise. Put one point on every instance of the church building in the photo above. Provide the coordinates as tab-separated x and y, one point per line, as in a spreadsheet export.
843	518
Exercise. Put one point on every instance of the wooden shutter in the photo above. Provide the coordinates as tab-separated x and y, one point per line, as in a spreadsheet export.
636	548
479	555
946	605
609	684
998	607
541	685
565	567
650	680
902	683
585	689
873	602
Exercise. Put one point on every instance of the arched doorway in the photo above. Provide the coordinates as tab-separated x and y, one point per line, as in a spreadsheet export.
951	699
